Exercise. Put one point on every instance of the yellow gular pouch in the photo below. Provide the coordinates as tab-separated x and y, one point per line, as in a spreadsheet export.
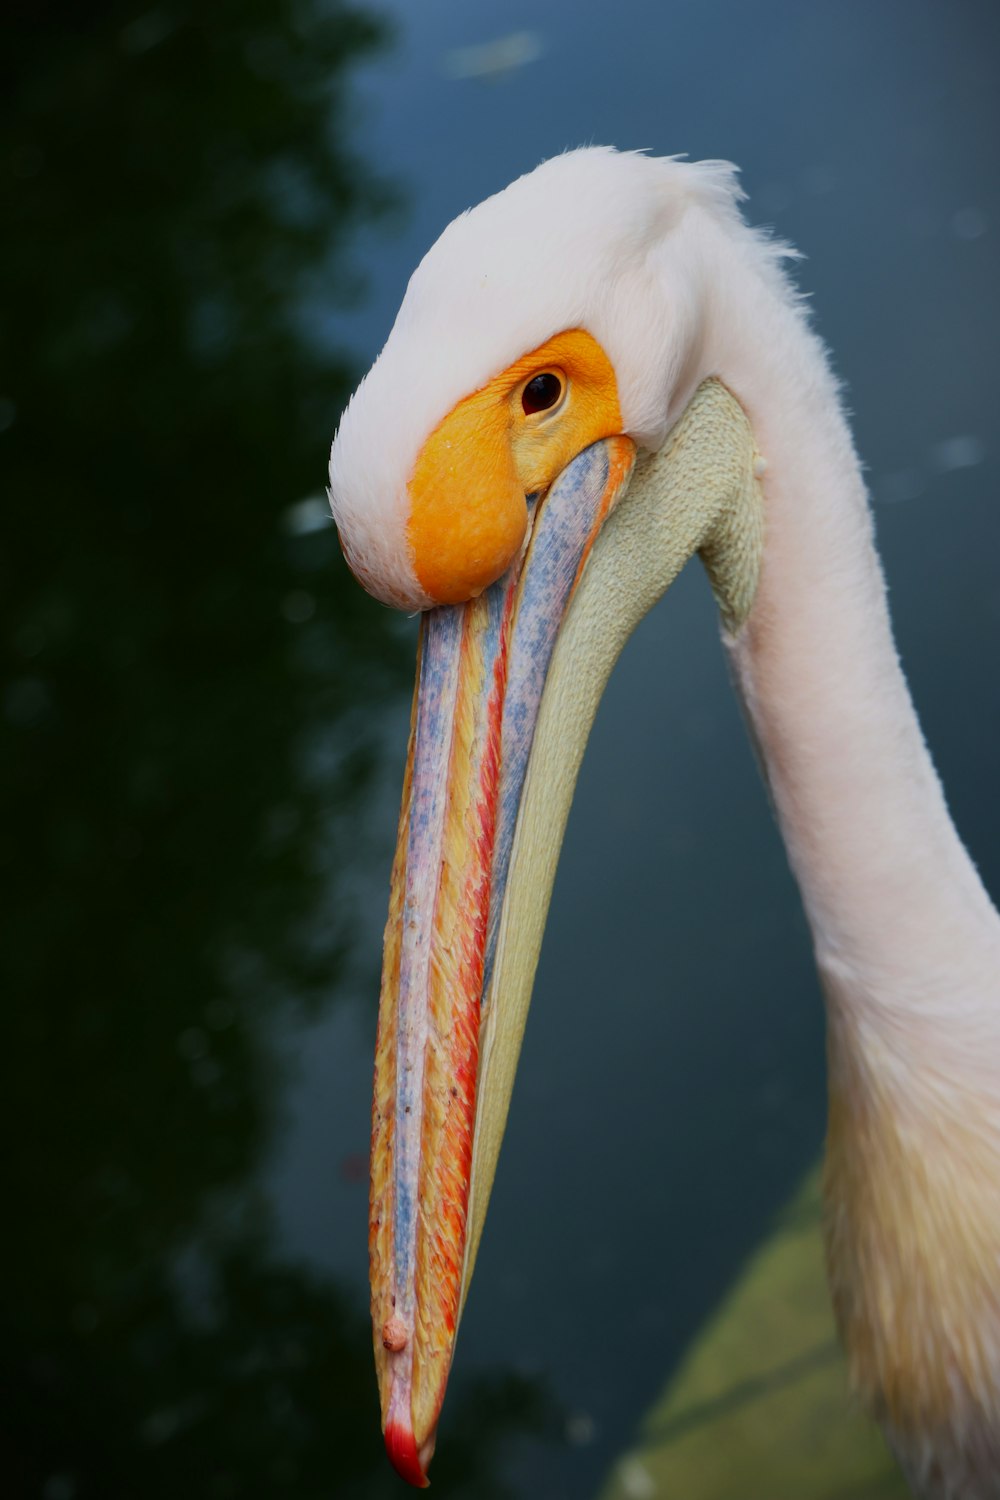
468	514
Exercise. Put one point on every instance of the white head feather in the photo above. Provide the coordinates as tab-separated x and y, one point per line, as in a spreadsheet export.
587	240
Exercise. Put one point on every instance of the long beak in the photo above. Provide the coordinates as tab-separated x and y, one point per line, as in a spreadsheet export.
490	777
481	671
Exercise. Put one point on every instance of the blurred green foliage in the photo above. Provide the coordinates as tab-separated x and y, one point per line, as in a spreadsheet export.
186	668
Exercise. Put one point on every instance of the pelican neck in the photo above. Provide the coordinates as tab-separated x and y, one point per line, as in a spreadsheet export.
893	899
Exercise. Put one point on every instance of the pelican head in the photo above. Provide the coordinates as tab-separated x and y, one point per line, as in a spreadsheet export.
579	394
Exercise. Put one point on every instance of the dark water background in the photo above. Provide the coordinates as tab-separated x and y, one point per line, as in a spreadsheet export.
211	212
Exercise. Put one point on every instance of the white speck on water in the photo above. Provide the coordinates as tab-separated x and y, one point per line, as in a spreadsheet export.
963	452
494	59
308	515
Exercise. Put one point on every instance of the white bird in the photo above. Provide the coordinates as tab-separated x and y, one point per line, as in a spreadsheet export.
608	311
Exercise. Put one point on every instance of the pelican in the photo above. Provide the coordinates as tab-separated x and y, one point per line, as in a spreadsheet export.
594	375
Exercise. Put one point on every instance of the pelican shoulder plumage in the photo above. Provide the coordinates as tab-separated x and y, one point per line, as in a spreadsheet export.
594	375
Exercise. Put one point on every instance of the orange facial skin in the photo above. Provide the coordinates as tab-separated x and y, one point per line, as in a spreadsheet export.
468	515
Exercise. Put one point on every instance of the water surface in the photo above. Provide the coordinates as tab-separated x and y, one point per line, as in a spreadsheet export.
214	223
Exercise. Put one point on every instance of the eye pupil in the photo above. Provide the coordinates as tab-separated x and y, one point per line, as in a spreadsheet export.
541	393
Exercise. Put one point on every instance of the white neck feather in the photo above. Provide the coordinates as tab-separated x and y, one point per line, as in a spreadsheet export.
899	916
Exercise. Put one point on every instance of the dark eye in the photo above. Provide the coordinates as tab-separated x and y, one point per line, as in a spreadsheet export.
541	393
